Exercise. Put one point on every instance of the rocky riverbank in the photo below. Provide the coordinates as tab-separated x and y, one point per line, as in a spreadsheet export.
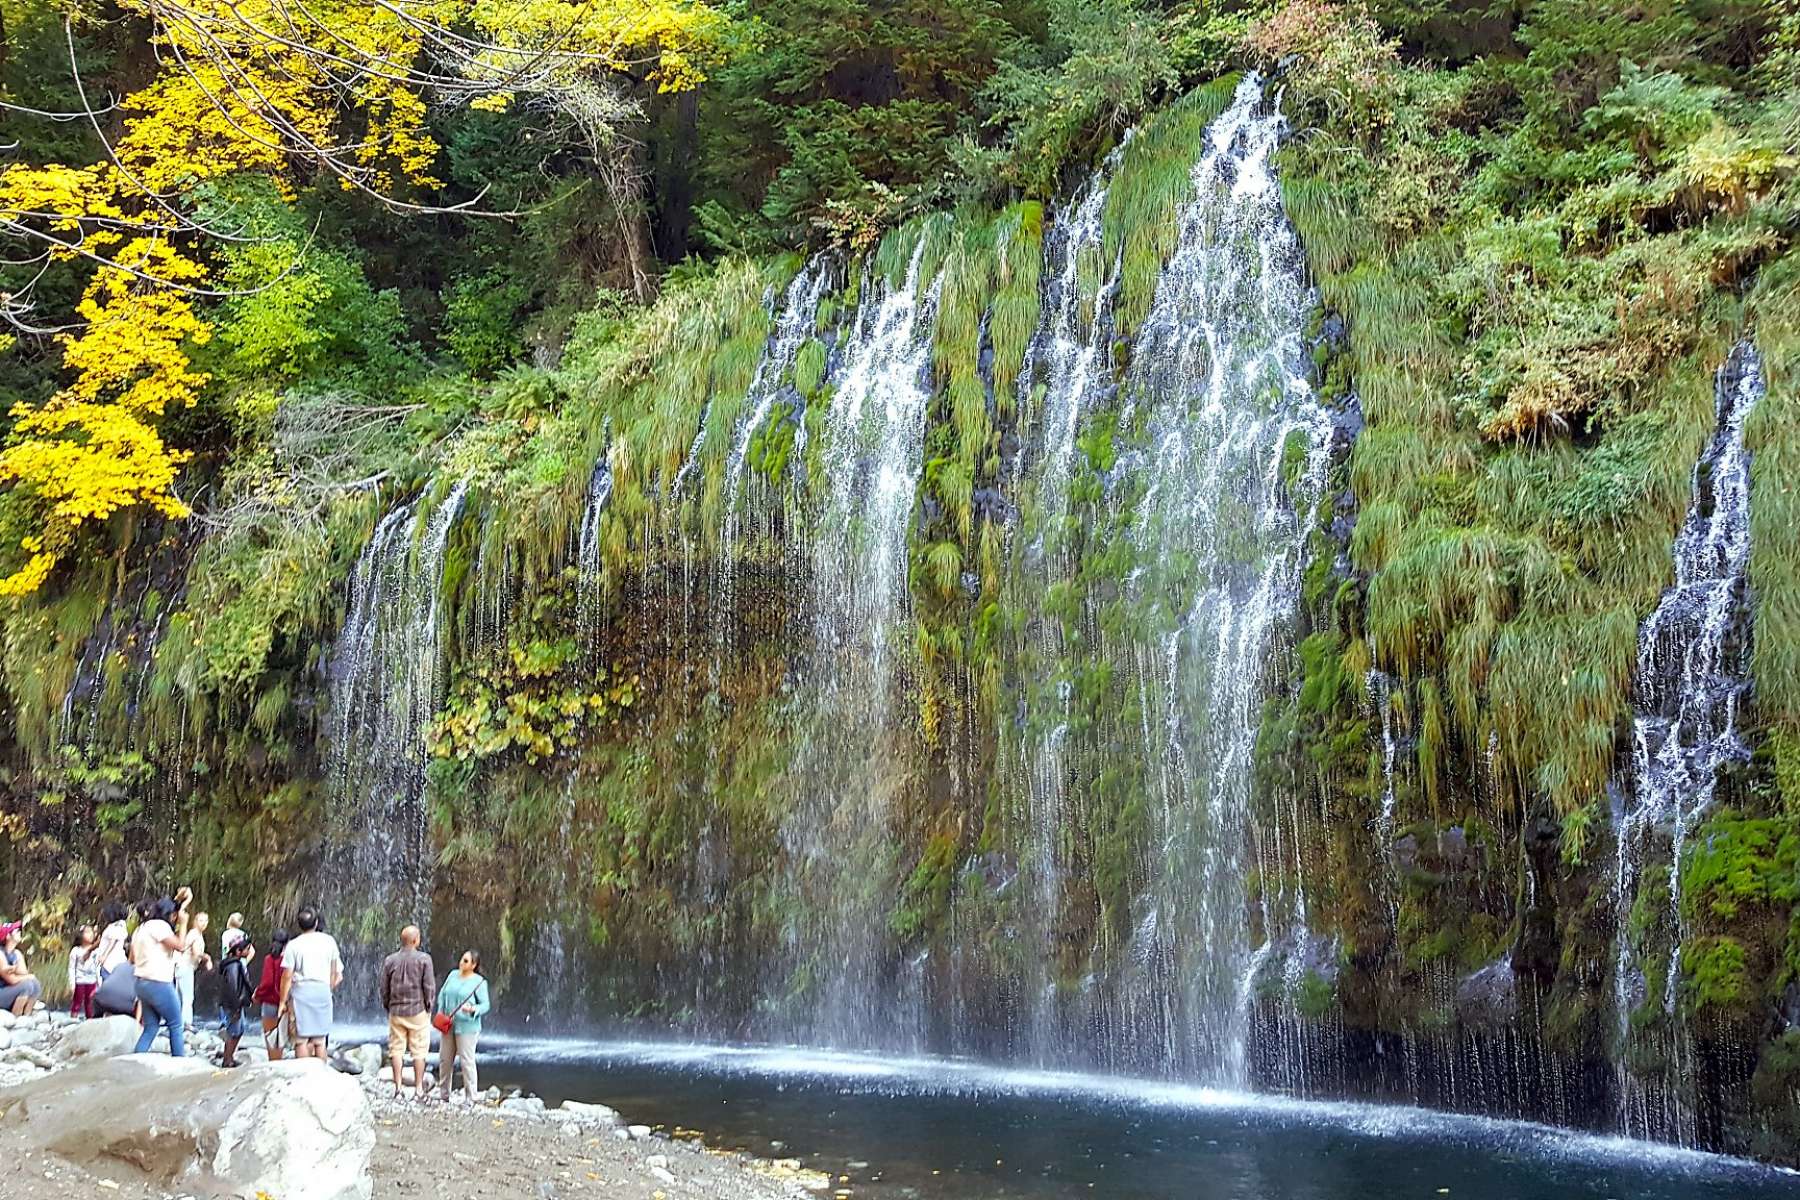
80	1114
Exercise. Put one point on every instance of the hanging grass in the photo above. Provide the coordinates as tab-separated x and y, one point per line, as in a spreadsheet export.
1772	433
1154	182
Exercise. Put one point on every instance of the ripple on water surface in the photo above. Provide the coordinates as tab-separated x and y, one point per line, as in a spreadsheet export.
951	1130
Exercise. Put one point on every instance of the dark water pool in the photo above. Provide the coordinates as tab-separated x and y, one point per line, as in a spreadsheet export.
943	1130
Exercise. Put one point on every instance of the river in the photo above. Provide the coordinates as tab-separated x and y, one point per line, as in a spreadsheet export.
942	1129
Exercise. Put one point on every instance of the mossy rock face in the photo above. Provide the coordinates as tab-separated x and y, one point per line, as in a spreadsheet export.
1773	1128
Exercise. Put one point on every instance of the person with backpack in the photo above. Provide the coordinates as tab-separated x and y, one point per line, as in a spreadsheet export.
236	995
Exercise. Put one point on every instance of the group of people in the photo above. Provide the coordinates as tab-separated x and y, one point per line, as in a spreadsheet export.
149	971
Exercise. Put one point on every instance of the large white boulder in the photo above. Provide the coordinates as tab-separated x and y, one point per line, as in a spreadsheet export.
103	1037
293	1129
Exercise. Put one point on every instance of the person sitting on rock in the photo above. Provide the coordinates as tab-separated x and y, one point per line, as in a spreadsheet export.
19	988
311	970
84	972
408	984
154	949
236	993
463	999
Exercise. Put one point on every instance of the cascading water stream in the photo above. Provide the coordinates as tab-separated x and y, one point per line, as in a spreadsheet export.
859	606
1691	678
589	564
384	679
1235	445
772	386
1071	355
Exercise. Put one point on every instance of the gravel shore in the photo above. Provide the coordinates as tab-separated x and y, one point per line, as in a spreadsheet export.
511	1146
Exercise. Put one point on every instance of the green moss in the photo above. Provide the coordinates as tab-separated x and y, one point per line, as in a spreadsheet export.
1317	996
1735	862
924	900
1715	974
809	367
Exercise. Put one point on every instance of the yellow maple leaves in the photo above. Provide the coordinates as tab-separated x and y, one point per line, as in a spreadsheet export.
92	450
675	42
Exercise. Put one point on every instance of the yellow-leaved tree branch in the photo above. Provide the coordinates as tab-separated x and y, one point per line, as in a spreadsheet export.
291	91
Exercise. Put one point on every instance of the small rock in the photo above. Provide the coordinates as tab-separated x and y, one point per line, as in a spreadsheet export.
570	1130
638	1132
657	1160
661	1175
624	1135
467	1160
368	1057
524	1106
31	1055
598	1114
7	1020
6	1038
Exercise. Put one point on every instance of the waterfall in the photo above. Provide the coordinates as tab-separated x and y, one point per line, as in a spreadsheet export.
589	564
1072	354
1691	678
771	387
860	607
1234	445
384	680
875	435
1380	688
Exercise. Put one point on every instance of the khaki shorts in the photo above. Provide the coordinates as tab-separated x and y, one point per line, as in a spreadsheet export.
409	1036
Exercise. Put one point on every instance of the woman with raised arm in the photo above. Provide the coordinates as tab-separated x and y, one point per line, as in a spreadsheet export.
154	949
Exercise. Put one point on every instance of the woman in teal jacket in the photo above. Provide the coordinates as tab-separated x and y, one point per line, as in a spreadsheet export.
463	998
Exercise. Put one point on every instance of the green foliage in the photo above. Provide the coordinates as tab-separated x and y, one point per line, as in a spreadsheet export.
1772	433
1099	67
481	320
843	111
1715	974
1152	184
1737	862
535	694
924	900
1550	285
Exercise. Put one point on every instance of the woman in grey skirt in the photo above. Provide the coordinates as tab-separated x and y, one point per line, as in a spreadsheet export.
311	969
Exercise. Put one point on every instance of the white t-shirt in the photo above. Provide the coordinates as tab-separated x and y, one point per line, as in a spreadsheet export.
155	962
116	943
311	956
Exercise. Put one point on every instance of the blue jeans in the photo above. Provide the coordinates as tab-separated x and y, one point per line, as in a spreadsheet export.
162	1006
